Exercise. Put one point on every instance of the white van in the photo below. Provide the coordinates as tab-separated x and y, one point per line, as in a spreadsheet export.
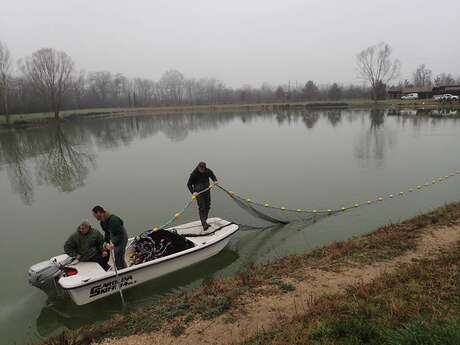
410	96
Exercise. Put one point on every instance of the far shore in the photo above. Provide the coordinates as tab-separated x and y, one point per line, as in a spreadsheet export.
44	117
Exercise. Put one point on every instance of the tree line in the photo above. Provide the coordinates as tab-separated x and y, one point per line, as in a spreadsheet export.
48	80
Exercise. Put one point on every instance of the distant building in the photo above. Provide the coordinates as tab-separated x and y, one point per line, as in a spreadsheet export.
452	89
424	91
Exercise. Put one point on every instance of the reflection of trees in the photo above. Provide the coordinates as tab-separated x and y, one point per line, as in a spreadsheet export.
334	116
55	150
310	119
63	165
14	153
373	143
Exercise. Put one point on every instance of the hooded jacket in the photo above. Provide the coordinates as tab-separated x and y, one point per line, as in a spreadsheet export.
199	181
86	245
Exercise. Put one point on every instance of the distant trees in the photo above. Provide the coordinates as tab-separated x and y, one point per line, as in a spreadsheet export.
280	94
335	92
5	76
376	66
48	82
50	72
310	91
172	84
444	79
422	76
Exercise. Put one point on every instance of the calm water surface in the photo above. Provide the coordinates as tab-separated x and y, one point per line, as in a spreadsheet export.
138	166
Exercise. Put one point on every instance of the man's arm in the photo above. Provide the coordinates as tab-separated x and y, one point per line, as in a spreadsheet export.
115	226
106	236
212	176
190	184
99	241
70	247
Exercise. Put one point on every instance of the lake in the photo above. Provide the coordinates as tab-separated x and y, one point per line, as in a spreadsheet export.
138	166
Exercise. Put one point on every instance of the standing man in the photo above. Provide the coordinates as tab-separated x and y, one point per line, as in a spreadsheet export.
198	182
86	244
115	232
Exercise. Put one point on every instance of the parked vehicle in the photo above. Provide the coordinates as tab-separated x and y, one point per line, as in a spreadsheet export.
447	97
410	96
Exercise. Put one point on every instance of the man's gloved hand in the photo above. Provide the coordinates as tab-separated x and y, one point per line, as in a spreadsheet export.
78	257
108	246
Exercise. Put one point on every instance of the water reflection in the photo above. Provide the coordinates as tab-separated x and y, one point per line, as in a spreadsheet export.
310	119
440	112
64	164
334	116
13	154
63	155
372	144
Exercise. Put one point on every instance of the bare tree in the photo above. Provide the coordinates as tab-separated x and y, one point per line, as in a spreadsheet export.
422	76
444	79
172	84
51	72
310	91
5	70
376	66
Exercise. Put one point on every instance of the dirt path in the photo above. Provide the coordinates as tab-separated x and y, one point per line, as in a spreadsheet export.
261	312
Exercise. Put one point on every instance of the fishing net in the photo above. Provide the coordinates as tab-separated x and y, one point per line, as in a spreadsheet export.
245	212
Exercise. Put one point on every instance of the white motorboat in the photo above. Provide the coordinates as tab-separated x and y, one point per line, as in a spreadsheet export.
86	282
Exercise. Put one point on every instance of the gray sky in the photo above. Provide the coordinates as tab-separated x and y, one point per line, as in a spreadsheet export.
238	41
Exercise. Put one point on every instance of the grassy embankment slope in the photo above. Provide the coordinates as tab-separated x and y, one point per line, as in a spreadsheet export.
392	286
46	116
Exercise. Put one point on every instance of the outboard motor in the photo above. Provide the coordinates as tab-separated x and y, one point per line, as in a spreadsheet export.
43	274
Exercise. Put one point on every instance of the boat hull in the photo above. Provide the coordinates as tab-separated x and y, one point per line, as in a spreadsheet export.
127	279
91	282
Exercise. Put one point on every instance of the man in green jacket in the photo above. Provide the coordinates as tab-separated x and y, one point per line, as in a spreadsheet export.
86	244
115	232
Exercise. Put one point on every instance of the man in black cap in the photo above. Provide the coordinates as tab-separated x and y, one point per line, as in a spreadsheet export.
198	182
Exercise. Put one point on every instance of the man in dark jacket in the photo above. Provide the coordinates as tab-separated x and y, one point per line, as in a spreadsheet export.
198	182
115	232
86	244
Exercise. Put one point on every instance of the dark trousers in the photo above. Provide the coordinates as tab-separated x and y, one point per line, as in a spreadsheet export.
119	251
204	205
103	261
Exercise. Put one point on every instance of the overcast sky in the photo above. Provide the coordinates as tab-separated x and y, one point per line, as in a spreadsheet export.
237	41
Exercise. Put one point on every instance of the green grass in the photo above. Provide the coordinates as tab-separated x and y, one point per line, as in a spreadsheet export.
427	332
419	304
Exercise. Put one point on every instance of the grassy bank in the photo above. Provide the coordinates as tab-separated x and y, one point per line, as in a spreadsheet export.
23	119
417	304
415	298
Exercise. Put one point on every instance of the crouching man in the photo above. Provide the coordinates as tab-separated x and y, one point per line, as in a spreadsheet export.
86	244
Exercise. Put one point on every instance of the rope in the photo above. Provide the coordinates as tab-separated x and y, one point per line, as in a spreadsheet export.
112	254
178	214
248	202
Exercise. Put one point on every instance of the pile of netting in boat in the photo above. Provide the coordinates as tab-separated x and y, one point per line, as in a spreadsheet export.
152	245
